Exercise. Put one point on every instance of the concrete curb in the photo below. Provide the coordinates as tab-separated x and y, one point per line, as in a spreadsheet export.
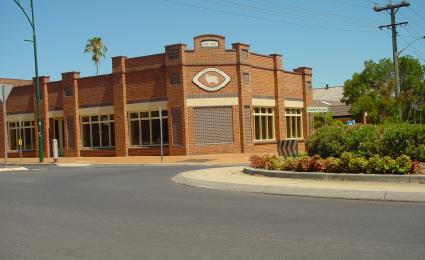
13	169
287	190
337	176
124	164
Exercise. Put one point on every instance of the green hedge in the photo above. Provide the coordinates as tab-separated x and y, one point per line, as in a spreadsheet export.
391	140
348	163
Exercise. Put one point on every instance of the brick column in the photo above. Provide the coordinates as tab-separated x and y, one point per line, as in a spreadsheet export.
279	98
44	113
307	75
120	105
177	110
71	113
245	97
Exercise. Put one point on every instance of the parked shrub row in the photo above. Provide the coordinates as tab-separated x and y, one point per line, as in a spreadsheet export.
347	163
392	140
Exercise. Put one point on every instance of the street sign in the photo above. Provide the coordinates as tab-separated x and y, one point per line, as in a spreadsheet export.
317	109
288	148
4	94
352	122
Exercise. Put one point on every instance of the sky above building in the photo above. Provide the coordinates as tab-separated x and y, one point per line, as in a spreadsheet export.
334	37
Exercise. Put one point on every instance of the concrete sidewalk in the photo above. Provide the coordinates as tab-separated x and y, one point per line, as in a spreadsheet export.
210	159
232	179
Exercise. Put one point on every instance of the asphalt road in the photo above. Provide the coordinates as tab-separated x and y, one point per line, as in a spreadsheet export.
138	213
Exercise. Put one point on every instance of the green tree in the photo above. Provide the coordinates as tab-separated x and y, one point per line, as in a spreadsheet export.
98	50
372	90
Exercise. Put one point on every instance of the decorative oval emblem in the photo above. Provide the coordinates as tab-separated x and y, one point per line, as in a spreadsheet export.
211	79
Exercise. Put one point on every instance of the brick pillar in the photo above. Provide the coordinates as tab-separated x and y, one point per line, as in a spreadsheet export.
44	113
245	97
307	74
2	131
71	113
279	98
120	105
177	110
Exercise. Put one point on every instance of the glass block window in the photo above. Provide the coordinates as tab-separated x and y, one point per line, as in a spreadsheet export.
213	125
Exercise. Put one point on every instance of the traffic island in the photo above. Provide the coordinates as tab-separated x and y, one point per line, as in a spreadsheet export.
235	180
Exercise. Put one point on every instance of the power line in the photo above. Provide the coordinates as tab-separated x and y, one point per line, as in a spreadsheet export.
303	16
264	18
312	11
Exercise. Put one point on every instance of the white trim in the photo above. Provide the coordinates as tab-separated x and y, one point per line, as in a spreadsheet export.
293	104
107	110
54	114
207	88
147	106
263	102
23	117
212	102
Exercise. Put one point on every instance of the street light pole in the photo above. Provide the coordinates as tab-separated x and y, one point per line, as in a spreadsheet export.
37	82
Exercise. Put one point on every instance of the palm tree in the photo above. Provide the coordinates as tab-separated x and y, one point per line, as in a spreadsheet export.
97	49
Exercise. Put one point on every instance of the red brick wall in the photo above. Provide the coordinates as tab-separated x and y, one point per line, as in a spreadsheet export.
145	84
20	100
95	90
55	95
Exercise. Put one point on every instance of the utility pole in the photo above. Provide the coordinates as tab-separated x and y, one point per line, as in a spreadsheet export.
392	9
37	81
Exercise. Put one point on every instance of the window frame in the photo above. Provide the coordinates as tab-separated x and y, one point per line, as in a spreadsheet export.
267	115
289	127
99	122
16	129
139	119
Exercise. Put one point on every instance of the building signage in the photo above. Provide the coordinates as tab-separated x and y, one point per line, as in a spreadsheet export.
209	44
211	79
317	109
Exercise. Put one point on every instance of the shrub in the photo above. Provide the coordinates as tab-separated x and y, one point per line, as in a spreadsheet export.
375	165
274	163
289	164
361	140
333	165
357	164
403	165
392	140
302	164
257	161
328	141
316	164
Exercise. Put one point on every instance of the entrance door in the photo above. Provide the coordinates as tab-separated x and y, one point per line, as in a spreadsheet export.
58	133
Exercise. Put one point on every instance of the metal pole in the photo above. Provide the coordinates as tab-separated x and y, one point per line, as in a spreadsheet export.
37	82
20	140
4	127
160	131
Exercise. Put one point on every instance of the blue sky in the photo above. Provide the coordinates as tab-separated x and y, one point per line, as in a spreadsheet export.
333	37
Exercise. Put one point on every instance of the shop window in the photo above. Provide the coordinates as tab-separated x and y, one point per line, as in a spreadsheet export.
264	124
145	128
294	127
98	131
24	131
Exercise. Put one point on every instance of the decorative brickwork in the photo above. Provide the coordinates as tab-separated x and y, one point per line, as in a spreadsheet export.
213	125
176	113
248	116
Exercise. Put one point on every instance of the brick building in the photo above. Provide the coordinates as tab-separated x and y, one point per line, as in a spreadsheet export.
213	100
